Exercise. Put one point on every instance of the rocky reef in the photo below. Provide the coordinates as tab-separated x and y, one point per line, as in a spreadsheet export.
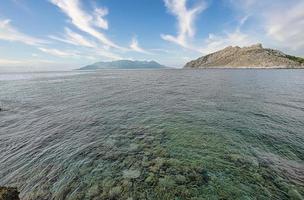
9	193
254	56
149	172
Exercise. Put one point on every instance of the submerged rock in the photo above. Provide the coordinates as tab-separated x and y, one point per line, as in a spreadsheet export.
167	182
9	193
131	174
294	194
115	192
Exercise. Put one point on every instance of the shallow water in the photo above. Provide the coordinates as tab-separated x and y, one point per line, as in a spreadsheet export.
154	134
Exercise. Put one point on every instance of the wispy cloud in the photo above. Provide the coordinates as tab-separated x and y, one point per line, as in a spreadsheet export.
99	14
217	42
186	18
91	53
73	38
17	65
8	62
279	32
57	52
22	62
84	21
10	33
282	21
89	24
135	47
287	29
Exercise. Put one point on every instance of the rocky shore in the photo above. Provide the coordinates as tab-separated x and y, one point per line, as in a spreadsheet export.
9	193
254	56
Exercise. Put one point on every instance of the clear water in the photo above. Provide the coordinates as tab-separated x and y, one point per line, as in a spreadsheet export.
154	134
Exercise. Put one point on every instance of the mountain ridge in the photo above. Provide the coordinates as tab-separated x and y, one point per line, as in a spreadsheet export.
124	64
254	56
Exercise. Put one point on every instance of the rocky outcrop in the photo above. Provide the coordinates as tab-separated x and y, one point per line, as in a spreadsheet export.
9	193
254	56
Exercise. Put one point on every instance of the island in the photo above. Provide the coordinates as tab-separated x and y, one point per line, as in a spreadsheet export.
254	56
124	64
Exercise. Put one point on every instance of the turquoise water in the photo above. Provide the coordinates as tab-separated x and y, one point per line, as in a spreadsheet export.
153	134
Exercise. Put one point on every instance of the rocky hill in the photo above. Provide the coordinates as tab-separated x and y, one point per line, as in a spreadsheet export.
124	64
254	56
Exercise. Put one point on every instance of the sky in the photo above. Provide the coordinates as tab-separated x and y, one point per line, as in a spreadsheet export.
68	34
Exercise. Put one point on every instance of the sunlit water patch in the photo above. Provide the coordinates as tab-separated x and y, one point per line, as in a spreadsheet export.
156	134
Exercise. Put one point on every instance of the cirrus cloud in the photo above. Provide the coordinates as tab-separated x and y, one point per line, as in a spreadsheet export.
281	22
186	18
84	21
10	33
74	38
135	47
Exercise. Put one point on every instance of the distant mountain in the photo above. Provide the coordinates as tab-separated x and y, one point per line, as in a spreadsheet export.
124	64
247	57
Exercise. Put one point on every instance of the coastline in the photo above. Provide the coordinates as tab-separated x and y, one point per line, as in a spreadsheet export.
244	67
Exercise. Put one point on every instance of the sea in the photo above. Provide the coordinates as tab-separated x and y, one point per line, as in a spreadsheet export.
153	134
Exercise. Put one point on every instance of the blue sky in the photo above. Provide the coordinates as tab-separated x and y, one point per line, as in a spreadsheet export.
67	34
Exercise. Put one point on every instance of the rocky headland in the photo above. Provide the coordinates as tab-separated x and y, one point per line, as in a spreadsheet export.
254	56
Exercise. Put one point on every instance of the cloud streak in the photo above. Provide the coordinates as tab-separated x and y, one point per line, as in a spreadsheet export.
85	22
186	18
10	33
57	52
135	47
74	38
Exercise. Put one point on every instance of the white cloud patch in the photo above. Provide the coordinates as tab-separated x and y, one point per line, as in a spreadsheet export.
10	33
99	20
84	21
186	18
135	46
73	38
